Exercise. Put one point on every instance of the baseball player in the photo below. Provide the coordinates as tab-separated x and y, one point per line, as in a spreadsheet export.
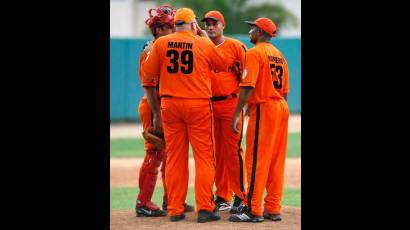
181	63
264	87
230	163
161	24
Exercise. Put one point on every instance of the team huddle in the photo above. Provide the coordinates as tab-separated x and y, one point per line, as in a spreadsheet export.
197	83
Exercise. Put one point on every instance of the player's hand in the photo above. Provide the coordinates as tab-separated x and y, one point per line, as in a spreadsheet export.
200	31
157	124
235	123
237	69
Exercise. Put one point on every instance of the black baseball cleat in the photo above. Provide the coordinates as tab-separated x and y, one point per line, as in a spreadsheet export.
145	211
221	204
271	216
238	206
188	208
164	206
246	216
177	217
205	216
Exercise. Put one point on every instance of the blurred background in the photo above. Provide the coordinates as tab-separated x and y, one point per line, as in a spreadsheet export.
128	34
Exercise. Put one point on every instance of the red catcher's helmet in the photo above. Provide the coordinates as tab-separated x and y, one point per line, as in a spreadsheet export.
163	15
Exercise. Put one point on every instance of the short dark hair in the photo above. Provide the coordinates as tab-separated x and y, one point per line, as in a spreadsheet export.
263	33
154	29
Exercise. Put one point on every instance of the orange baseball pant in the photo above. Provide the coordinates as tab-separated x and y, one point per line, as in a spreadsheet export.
230	159
152	160
188	121
266	140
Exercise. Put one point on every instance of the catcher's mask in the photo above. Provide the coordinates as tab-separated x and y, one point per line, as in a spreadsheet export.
160	16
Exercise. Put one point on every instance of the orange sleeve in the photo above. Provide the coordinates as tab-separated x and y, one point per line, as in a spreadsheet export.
215	56
285	77
241	50
142	59
151	67
251	70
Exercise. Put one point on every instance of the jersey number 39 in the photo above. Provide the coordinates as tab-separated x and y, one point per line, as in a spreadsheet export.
277	82
186	64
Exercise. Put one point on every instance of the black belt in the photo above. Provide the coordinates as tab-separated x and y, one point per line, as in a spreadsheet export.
166	96
221	98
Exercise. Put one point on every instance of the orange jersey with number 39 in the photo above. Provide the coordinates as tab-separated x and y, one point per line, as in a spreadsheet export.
181	62
266	70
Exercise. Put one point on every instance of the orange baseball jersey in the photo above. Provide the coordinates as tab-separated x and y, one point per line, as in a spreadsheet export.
266	70
182	62
143	56
226	83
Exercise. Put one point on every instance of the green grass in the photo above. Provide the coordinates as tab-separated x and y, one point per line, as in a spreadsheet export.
129	147
294	148
124	198
134	147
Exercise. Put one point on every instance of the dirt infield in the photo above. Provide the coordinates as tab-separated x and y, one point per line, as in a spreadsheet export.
126	220
124	172
134	130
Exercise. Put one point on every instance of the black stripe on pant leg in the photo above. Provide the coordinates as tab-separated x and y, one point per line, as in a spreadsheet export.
212	128
212	139
240	158
255	156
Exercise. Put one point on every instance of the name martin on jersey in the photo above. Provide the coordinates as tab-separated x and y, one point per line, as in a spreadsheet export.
180	45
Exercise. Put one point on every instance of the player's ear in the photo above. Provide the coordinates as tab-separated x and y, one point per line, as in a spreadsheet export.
158	30
222	25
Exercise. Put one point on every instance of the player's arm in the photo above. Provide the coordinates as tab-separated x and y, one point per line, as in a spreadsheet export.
240	56
245	93
151	67
154	105
285	79
214	55
218	60
249	78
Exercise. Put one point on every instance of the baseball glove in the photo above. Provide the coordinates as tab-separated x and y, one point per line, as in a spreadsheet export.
157	140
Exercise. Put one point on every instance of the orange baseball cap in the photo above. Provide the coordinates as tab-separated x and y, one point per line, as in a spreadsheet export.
215	15
264	24
184	15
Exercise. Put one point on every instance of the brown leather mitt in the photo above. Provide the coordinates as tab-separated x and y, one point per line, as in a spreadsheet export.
157	140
